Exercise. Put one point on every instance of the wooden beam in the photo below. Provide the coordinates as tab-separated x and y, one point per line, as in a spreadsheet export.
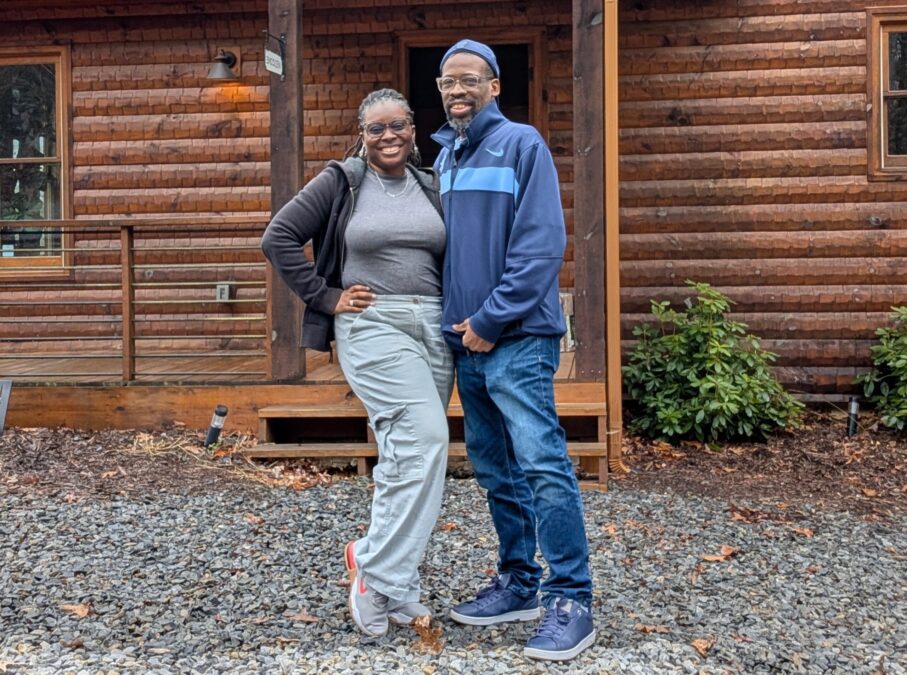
612	235
127	261
287	360
588	207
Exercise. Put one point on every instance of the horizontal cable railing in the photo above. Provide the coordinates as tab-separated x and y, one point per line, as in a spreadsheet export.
175	300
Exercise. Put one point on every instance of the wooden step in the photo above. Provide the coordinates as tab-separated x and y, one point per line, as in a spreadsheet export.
357	450
355	409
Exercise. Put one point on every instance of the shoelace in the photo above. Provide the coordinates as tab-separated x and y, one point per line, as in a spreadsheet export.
553	622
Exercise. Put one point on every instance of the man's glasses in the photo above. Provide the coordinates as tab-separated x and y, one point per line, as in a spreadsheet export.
377	129
467	82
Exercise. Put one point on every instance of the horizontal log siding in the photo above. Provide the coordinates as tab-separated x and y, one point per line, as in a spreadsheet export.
743	164
151	136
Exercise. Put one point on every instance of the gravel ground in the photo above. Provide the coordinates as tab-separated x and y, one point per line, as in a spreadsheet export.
251	579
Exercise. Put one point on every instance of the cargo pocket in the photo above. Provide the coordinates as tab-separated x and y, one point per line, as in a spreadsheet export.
399	457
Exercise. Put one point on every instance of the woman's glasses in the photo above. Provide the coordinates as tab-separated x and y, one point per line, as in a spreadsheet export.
377	129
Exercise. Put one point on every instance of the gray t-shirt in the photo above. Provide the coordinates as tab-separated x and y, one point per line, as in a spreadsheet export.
394	245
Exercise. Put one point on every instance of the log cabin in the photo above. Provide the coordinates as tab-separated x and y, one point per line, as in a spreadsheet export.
759	145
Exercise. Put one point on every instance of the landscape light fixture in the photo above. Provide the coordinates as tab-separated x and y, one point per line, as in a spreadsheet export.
217	423
223	66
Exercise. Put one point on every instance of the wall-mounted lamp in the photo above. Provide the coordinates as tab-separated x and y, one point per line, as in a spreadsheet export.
223	66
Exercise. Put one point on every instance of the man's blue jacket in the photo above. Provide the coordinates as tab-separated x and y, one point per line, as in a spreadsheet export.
505	230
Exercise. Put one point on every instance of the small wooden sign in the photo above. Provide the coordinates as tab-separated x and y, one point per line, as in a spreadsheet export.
6	387
273	62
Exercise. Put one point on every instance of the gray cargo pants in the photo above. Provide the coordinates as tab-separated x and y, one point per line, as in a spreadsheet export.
394	357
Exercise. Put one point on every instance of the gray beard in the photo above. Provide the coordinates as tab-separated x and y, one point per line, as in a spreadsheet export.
459	125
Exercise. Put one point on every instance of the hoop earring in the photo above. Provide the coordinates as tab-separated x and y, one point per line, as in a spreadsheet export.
415	157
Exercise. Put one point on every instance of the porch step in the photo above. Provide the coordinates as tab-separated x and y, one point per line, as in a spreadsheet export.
370	450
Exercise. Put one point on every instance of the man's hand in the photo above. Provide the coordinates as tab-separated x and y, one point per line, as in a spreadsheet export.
471	340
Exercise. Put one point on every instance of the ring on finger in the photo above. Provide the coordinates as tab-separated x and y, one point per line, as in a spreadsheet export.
352	303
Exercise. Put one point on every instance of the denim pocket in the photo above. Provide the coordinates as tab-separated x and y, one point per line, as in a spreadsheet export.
399	456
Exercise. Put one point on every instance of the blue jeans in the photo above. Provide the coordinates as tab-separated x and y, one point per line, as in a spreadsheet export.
519	453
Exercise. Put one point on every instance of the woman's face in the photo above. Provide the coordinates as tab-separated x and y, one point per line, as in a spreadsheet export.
388	137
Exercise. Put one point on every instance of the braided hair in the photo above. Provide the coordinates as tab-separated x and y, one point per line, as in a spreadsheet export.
375	98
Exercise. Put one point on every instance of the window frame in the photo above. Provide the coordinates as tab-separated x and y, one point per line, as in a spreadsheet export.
880	23
56	265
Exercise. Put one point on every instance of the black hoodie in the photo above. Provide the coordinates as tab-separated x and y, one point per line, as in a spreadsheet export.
320	214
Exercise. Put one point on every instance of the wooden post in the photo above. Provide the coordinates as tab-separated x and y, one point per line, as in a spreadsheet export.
127	260
287	359
612	238
588	207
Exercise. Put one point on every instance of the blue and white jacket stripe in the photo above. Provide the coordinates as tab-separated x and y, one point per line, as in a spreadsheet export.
505	230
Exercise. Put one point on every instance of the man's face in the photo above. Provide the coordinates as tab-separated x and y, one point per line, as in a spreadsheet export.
461	103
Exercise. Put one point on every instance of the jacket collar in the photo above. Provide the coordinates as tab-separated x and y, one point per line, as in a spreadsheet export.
485	121
354	170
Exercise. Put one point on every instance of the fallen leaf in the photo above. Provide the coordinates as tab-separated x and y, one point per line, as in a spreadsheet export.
644	628
812	569
429	638
75	644
109	474
285	640
703	645
726	552
80	611
742	638
610	529
869	492
303	616
904	487
255	520
447	527
803	531
694	577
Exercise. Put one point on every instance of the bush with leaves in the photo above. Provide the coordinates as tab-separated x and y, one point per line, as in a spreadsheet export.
697	374
886	384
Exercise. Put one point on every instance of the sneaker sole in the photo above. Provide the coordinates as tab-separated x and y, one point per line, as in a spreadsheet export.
402	619
349	559
521	615
565	655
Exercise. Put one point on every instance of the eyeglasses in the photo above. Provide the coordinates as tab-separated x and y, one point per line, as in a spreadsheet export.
377	129
466	81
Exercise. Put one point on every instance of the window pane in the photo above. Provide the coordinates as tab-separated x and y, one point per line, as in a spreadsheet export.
897	60
28	111
897	126
30	192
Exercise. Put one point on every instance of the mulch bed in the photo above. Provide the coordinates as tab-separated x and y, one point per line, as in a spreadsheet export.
817	464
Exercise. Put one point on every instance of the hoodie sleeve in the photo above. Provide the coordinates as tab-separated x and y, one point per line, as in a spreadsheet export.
298	222
535	248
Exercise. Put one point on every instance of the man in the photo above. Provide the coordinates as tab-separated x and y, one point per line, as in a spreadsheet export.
502	318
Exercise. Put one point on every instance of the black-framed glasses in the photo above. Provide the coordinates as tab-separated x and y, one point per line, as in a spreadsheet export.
377	129
466	81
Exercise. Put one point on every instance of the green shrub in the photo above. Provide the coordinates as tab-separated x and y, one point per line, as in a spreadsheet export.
886	384
697	374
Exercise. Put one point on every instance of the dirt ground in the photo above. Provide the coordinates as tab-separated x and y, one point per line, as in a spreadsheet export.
818	464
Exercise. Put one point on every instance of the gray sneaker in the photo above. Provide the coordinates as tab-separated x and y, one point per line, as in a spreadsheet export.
368	608
404	613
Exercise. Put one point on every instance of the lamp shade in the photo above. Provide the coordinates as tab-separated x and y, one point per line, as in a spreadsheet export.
223	67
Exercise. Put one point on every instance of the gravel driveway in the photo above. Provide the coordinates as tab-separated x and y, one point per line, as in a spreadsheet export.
251	579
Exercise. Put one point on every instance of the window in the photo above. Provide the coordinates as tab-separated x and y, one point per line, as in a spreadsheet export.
32	159
887	143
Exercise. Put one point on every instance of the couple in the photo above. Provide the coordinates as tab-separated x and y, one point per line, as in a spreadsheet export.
415	282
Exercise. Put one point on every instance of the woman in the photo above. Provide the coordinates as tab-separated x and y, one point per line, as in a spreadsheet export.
378	237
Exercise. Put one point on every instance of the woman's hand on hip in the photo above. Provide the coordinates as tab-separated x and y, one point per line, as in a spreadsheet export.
357	298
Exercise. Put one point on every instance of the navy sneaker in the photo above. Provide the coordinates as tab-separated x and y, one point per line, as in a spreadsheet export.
496	604
565	631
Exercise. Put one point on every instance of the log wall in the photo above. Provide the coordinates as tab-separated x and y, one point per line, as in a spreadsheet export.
744	164
152	137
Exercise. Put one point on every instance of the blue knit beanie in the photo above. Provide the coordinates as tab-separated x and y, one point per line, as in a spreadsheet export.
477	48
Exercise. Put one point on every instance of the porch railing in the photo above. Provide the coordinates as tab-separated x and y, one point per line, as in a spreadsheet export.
137	300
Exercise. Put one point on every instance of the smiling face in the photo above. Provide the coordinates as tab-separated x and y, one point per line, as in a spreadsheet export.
462	104
387	151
